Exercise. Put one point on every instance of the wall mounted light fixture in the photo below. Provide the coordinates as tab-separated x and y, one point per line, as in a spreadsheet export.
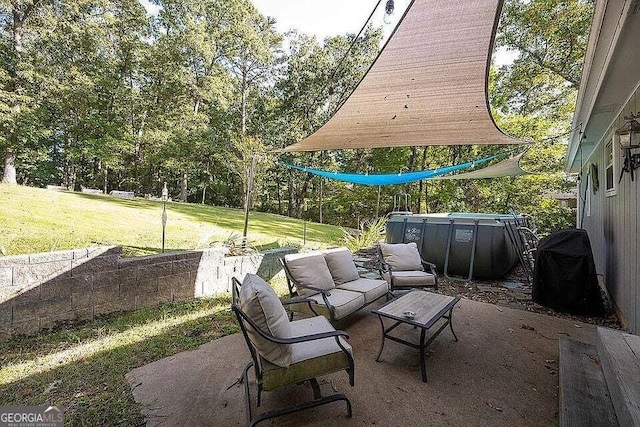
629	139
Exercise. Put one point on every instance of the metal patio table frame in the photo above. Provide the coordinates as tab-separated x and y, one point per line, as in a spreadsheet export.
411	300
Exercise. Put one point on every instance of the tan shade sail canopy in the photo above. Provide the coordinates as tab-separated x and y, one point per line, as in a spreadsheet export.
508	167
428	86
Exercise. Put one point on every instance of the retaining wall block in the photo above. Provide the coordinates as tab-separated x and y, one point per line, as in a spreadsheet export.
6	316
154	271
79	254
114	277
183	265
25	294
54	306
6	276
95	265
82	300
37	273
105	294
48	322
188	255
66	286
139	288
26	312
146	260
14	260
183	290
50	257
28	327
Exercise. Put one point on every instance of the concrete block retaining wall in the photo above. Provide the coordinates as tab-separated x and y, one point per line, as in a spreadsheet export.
40	290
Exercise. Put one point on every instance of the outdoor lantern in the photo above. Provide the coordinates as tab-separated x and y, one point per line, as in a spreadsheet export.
388	12
165	193
629	133
165	197
389	7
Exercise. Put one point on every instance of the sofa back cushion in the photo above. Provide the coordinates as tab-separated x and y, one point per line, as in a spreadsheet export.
401	256
309	270
341	265
261	304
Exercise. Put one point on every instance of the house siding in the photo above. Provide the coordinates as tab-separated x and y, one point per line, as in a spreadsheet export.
613	227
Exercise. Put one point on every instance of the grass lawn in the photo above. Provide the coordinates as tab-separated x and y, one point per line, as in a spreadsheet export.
38	220
82	367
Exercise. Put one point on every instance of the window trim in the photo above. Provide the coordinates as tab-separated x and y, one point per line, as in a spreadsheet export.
615	154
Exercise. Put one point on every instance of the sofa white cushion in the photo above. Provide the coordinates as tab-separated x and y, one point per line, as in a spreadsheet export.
401	256
341	266
371	289
309	270
344	303
261	304
411	279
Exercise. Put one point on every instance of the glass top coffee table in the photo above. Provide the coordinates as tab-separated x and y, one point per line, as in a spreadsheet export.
420	309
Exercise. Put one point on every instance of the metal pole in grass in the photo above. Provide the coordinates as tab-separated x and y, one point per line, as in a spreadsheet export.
165	196
248	200
304	224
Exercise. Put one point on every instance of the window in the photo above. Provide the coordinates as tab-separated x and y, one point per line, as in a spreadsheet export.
610	160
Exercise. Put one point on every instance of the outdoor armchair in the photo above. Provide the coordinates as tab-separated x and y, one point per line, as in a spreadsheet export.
284	352
401	265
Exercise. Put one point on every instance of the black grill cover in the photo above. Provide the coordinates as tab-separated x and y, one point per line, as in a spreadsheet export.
564	277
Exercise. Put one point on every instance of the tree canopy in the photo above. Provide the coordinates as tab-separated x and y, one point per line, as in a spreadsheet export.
98	94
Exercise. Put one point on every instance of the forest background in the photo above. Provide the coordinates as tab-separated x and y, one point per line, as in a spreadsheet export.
99	94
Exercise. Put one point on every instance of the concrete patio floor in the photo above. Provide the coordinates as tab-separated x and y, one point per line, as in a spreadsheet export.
503	371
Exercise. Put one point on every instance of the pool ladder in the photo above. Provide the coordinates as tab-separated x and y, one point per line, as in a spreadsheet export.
449	241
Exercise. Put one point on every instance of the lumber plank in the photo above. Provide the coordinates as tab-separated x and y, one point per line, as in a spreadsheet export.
620	355
584	396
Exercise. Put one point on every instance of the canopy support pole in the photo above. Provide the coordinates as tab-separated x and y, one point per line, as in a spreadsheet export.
249	198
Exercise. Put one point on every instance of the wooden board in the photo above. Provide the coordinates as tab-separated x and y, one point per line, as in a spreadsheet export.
584	396
620	355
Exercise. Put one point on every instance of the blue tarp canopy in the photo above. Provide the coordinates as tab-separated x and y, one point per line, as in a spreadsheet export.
391	178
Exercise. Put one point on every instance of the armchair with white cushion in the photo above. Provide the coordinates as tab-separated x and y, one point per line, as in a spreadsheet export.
285	353
402	267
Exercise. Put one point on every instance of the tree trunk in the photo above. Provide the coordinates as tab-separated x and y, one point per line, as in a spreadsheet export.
243	102
106	176
279	196
10	154
9	167
290	196
184	191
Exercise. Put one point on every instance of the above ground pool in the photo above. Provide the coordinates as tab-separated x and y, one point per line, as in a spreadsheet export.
462	245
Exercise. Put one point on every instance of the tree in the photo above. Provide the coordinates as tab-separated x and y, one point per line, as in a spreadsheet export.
17	21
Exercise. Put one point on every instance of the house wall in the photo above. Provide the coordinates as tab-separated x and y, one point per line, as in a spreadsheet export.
614	226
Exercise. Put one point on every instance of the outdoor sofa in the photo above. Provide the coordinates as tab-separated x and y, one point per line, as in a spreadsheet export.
327	283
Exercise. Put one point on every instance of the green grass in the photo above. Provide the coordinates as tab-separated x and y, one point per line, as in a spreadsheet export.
37	220
83	367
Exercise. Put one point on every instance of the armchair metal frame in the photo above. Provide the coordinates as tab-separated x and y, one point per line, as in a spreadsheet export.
294	285
383	268
318	399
